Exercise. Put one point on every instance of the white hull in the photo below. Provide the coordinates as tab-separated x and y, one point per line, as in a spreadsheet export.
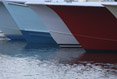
55	25
112	8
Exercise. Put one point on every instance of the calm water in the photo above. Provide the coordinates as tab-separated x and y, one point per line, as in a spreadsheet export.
21	61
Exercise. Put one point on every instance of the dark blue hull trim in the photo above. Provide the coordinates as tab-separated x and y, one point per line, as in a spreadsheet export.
14	37
38	37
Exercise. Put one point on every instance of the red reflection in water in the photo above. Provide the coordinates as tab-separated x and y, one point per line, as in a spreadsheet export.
99	58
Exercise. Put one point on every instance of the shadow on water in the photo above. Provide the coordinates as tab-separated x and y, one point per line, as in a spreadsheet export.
39	51
22	49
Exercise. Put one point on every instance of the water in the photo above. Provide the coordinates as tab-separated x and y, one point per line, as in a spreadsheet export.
33	61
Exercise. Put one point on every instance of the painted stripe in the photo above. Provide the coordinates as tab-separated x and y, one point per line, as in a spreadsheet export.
15	37
38	37
86	4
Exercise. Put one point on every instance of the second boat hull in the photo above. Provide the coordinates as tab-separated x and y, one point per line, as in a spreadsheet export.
30	24
57	28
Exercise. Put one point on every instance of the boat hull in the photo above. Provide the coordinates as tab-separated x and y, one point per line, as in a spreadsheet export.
94	27
112	9
57	28
30	24
8	25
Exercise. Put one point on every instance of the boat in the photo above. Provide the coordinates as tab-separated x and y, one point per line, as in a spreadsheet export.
8	25
30	24
112	8
57	28
91	23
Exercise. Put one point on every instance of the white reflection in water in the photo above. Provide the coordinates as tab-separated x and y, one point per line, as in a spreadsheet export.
32	68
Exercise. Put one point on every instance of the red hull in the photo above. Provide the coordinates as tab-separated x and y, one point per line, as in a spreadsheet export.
93	27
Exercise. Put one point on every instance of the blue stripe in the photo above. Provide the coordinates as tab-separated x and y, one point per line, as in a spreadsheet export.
15	37
38	37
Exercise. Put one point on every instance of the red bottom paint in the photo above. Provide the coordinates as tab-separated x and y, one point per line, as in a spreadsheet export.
93	27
